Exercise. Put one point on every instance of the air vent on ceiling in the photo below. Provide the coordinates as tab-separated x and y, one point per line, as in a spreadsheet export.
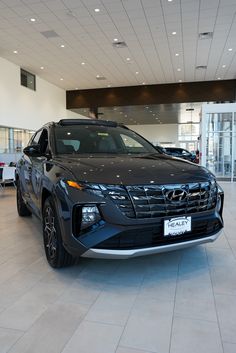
100	78
201	67
49	34
119	44
205	35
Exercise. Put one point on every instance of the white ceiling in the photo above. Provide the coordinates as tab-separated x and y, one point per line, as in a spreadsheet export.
145	25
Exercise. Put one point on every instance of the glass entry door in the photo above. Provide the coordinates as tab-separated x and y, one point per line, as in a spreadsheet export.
220	145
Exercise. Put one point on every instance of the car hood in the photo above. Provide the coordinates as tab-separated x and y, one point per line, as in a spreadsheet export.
132	170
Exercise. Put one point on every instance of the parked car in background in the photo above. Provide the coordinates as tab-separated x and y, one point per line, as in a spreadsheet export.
101	190
180	153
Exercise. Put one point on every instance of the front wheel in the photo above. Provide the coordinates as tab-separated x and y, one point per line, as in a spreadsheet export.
56	254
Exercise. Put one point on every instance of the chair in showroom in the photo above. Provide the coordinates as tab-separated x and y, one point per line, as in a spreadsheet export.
8	176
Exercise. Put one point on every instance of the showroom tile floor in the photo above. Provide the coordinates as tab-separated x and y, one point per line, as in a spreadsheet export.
177	302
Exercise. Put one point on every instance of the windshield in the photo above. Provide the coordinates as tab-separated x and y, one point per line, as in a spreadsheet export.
92	139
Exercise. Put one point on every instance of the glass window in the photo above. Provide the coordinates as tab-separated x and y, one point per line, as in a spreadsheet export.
27	79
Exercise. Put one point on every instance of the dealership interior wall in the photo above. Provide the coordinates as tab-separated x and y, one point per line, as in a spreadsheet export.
167	70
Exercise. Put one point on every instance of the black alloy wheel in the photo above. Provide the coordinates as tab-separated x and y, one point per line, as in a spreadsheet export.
56	254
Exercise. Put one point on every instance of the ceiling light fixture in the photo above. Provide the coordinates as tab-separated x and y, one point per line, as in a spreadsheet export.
98	76
174	33
230	49
76	88
180	80
136	72
97	10
15	52
115	39
61	79
41	67
62	46
32	19
223	66
128	59
143	83
179	69
108	85
83	63
218	78
176	54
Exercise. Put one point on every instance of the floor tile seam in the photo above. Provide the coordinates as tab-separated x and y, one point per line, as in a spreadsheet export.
12	329
136	349
233	252
75	329
131	308
174	305
226	341
182	316
217	315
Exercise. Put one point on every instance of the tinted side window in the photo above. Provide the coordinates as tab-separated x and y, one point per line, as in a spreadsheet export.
36	137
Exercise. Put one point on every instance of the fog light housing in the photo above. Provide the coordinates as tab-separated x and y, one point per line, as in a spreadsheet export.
90	215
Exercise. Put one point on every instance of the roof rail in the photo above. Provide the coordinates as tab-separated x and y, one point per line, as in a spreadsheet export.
66	122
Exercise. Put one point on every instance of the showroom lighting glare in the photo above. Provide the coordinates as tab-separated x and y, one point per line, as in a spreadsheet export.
62	46
115	39
97	10
143	83
176	54
42	67
61	79
98	76
136	72
174	33
83	63
218	78
15	52
223	66
76	88
108	86
180	80
230	49
32	19
128	59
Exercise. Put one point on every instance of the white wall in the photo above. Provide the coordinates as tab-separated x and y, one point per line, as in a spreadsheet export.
23	108
158	133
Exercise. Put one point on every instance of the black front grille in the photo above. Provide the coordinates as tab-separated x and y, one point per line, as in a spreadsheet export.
150	201
153	236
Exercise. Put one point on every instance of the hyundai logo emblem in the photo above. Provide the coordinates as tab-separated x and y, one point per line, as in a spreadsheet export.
176	195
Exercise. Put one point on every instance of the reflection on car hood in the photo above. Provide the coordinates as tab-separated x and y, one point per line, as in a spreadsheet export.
132	169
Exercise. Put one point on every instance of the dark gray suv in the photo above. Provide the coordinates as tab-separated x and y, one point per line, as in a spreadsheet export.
102	190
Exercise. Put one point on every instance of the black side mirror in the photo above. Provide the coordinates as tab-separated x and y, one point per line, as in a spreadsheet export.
33	151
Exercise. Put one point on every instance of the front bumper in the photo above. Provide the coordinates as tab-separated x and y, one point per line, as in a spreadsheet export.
125	254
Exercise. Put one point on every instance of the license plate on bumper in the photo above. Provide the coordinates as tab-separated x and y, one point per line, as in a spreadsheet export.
177	226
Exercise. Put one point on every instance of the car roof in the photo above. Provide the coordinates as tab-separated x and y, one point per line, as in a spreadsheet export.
74	122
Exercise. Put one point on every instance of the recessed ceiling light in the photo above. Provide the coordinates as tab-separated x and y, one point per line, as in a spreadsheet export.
97	10
218	78
108	85
61	79
230	49
76	88
143	83
174	33
176	54
32	19
223	66
136	72
83	63
180	80
170	0
62	46
15	52
128	59
115	39
41	67
179	69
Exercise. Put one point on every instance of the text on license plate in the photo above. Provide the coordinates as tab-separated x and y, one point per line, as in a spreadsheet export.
177	226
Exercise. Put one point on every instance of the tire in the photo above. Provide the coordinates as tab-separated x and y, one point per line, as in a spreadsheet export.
22	209
56	254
